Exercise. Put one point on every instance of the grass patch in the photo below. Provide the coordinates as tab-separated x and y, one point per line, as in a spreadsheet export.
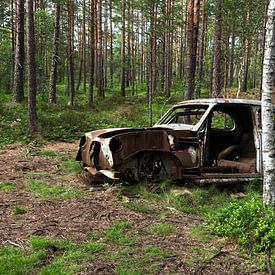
117	233
19	210
140	206
70	167
145	260
48	256
161	229
50	154
47	191
155	252
7	185
37	175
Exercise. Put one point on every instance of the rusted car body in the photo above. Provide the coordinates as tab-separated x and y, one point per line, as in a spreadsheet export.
203	141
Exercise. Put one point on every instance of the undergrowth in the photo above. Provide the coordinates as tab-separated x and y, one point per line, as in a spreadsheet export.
247	221
66	123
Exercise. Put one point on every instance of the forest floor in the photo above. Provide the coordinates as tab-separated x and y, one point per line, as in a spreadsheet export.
51	223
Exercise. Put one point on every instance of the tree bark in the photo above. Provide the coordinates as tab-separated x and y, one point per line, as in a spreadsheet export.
31	70
100	59
268	147
111	46
70	18
18	84
123	59
192	39
55	57
92	52
84	47
217	75
202	48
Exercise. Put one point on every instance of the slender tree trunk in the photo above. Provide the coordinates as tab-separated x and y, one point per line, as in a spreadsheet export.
192	40
31	70
70	7
92	52
18	84
202	48
263	46
84	47
123	59
217	75
53	75
246	53
151	65
232	59
268	146
111	46
105	43
12	41
100	59
189	86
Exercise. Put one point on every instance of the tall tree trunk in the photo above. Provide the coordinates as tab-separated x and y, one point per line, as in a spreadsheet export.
151	65
123	59
263	46
70	7
105	42
111	46
100	59
192	40
53	76
18	84
267	109
202	48
232	58
246	53
12	40
217	75
32	116
189	86
84	47
92	52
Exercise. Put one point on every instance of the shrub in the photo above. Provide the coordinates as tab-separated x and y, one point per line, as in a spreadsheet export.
248	221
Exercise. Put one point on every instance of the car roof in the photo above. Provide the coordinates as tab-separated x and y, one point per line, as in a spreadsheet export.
220	101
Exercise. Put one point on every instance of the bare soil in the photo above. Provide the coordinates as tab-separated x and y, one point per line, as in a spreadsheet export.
96	211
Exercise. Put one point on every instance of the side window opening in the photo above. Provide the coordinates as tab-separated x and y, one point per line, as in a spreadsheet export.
222	121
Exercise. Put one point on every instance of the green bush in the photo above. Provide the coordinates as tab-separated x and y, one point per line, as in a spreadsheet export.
248	221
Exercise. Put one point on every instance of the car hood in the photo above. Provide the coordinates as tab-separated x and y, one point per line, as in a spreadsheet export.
107	133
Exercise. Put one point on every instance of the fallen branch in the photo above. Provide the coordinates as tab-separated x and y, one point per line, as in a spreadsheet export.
13	243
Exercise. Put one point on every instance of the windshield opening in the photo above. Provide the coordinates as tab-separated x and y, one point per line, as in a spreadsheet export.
189	115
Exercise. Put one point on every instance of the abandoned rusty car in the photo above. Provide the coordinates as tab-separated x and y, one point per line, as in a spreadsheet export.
203	141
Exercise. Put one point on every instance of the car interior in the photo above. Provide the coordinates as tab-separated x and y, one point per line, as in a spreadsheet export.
228	141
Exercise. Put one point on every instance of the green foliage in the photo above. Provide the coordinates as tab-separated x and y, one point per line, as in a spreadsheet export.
5	65
17	261
70	167
200	201
48	256
19	210
62	122
7	185
57	191
116	233
248	221
139	206
51	154
161	229
155	252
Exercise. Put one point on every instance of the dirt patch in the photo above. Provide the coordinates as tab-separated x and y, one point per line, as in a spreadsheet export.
95	211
